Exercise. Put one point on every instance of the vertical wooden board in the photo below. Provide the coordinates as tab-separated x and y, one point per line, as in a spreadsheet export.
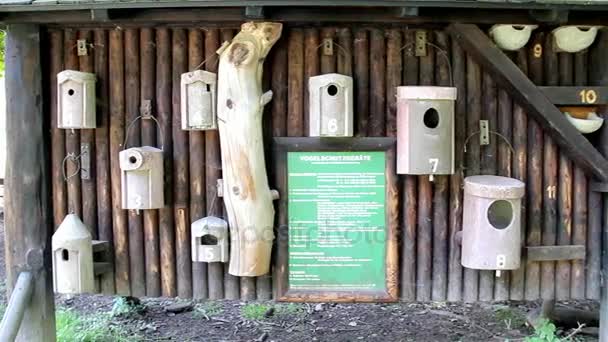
564	206
213	170
579	196
424	244
456	181
441	187
196	55
361	82
519	171
377	121
311	68
488	167
345	52
181	168
102	148
132	92
117	134
295	77
87	136
231	283
328	61
534	184
163	108
472	167
57	134
72	137
149	138
247	289
550	167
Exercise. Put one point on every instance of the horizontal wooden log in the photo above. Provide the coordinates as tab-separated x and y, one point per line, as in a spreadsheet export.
551	253
508	75
579	96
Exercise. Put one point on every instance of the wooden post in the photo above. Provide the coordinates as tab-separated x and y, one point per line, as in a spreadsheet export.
72	137
361	82
471	276
328	61
377	121
456	181
345	52
534	184
441	187
564	208
213	170
117	134
550	168
181	168
295	77
164	112
102	149
311	68
424	257
132	93
410	196
519	171
29	224
196	55
149	138
579	196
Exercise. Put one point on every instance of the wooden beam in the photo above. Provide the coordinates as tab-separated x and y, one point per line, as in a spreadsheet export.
552	253
28	208
576	96
508	75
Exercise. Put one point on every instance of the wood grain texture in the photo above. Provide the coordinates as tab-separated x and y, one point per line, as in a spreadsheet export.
295	86
361	82
72	137
377	120
328	61
311	68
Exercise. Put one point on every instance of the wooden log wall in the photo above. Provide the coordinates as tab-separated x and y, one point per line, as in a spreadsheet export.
139	67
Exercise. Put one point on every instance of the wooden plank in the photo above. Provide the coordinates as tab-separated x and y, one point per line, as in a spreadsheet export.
377	125
181	168
72	137
311	68
196	55
580	95
28	177
57	134
534	184
148	138
527	94
213	170
163	108
117	135
295	77
555	253
132	93
410	195
328	61
472	166
102	148
520	163
345	52
361	82
456	180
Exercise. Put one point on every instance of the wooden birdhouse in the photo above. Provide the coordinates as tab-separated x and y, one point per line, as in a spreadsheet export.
210	240
142	182
198	100
331	105
76	100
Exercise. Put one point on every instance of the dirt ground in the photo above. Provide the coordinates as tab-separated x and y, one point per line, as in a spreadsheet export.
269	321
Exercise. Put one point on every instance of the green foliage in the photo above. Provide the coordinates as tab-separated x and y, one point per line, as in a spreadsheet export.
545	331
255	311
75	327
2	39
511	317
291	309
258	311
207	309
126	306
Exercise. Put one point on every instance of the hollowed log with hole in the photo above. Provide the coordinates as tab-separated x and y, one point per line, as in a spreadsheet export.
246	193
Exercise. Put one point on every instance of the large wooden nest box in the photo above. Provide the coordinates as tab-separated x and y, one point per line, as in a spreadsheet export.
491	223
142	182
331	105
76	100
198	99
425	130
73	270
210	240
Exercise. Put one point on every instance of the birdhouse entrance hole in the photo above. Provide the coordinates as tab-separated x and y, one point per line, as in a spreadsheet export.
500	214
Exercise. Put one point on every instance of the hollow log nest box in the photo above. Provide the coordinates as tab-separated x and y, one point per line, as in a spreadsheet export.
240	103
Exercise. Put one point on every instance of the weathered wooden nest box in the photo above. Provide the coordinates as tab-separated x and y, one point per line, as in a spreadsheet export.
425	130
142	183
491	223
331	105
76	100
73	270
210	240
198	99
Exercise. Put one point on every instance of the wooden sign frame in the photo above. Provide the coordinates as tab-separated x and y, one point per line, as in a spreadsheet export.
281	147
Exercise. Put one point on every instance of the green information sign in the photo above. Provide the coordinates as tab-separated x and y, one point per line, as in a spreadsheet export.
337	220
